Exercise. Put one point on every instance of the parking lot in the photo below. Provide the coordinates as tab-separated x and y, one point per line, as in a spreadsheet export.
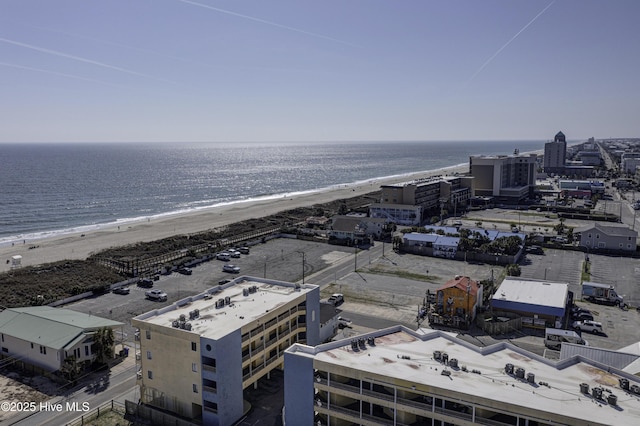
280	259
388	289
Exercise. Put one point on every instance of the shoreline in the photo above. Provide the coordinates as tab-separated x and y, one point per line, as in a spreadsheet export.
78	245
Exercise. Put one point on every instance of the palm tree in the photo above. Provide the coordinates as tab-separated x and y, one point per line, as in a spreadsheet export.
103	341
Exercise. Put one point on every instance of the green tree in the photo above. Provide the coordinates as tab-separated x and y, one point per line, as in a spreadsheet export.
513	270
103	341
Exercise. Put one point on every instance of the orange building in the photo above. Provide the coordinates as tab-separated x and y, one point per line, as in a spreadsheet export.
457	302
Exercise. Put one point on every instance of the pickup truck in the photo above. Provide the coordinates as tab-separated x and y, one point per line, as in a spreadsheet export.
336	299
156	295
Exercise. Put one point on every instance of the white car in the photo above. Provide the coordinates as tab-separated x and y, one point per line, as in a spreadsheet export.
156	294
231	268
590	326
336	299
234	253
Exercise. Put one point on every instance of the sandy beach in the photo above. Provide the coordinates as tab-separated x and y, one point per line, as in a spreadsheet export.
76	246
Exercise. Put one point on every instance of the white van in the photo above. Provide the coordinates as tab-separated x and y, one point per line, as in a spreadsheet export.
555	337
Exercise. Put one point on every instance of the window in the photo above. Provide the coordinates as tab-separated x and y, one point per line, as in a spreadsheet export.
148	354
43	350
2	337
194	346
195	388
150	374
194	367
208	347
31	345
86	350
148	334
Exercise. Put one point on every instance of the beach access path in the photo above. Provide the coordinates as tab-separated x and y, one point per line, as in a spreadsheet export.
80	245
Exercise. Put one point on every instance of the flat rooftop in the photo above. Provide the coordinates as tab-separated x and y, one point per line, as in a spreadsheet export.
249	299
542	293
408	355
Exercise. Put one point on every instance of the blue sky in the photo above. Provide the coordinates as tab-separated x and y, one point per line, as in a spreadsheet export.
256	70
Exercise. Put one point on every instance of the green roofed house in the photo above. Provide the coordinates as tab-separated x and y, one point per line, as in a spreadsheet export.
44	337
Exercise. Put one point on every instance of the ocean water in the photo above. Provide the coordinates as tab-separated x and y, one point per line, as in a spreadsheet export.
49	189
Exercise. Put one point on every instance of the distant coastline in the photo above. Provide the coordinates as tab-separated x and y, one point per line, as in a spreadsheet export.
54	190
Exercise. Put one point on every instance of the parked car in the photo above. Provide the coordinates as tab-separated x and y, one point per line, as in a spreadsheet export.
231	268
583	316
145	283
223	282
156	295
122	290
590	326
185	271
535	250
223	256
244	250
234	253
336	299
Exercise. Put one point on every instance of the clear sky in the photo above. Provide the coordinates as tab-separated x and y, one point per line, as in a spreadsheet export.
303	70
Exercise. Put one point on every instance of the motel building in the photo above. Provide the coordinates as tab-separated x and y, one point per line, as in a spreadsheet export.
197	356
398	376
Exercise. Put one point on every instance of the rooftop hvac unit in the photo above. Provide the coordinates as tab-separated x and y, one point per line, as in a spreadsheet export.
635	389
624	383
182	317
196	313
361	343
175	324
187	326
371	341
190	315
584	388
508	368
596	393
245	292
445	358
531	378
227	300
354	345
437	355
520	373
182	324
253	289
612	399
453	363
220	303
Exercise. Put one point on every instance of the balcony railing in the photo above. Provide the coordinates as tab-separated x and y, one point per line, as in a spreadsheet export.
209	368
209	389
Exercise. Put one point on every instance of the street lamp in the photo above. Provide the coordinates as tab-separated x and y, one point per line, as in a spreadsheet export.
302	253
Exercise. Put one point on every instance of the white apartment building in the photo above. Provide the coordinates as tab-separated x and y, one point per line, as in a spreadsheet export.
398	376
198	355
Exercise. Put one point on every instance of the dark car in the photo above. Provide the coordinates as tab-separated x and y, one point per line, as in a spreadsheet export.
185	271
223	282
535	250
583	316
145	282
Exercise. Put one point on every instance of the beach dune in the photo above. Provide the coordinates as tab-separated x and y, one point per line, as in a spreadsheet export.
81	245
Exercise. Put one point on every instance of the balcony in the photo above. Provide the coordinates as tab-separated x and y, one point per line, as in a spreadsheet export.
209	389
209	368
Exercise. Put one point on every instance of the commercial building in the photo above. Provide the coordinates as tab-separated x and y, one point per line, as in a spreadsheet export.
629	162
452	192
581	188
541	304
45	338
456	302
508	178
555	154
357	229
607	237
398	376
401	214
198	355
